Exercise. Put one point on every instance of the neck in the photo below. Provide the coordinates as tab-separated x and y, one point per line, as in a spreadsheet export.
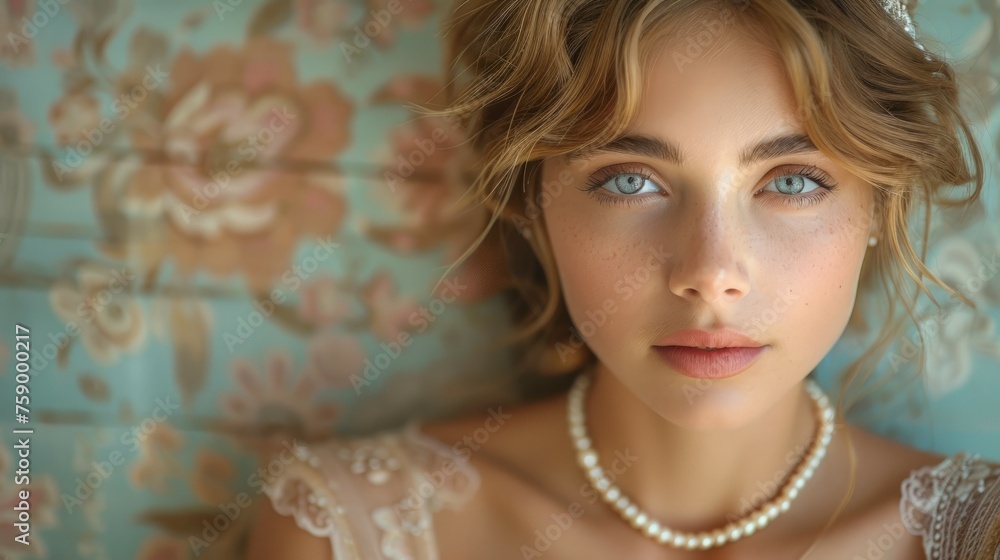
695	479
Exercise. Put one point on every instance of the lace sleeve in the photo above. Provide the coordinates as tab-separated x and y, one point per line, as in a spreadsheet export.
955	508
373	497
302	490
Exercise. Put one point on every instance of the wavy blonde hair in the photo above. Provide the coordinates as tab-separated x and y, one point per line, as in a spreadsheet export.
533	79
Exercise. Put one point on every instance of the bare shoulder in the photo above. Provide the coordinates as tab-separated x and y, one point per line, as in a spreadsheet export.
517	452
884	461
888	459
883	465
523	442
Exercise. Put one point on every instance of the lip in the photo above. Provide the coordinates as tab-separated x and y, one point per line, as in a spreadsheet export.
709	364
723	338
734	352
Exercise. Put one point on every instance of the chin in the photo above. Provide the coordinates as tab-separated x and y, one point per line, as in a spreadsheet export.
707	406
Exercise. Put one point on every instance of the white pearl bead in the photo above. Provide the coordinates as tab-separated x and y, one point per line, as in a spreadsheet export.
772	512
785	504
631	511
749	528
588	458
678	540
612	494
720	537
691	543
762	521
665	535
622	503
734	531
641	520
602	484
653	529
793	492
706	542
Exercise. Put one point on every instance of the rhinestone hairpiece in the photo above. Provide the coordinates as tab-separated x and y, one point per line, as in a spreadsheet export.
898	11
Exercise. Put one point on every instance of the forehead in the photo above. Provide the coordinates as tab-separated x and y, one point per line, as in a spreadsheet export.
703	89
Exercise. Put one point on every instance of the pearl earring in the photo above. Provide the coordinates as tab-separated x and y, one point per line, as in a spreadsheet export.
872	240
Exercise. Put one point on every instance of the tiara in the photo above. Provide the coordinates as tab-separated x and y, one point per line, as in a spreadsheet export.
897	9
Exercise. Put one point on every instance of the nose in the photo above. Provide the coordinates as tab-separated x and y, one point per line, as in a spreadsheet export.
712	266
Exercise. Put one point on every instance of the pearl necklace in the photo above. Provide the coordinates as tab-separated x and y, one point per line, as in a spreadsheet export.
750	523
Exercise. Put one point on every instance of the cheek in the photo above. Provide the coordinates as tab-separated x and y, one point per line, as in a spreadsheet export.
807	285
606	270
577	251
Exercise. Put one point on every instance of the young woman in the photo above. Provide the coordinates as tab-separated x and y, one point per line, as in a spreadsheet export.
714	182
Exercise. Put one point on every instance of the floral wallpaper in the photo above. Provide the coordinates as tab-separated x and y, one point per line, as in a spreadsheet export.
221	221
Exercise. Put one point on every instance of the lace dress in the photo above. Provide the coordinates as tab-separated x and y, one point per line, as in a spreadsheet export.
397	480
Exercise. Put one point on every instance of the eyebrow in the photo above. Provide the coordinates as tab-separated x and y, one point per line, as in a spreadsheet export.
649	146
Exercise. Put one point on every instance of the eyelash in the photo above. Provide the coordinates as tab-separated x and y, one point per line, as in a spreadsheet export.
596	182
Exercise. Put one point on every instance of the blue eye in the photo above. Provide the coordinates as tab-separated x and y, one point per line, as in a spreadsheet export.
630	183
622	182
794	188
793	184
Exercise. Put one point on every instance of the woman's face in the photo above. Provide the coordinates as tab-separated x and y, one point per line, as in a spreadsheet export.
725	233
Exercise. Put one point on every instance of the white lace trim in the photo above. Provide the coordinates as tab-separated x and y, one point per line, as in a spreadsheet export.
374	497
954	507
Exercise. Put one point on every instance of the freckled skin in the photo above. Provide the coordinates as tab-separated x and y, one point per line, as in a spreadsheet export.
733	253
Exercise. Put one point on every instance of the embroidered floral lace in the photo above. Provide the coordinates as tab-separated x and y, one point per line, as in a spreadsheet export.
396	479
374	498
955	507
